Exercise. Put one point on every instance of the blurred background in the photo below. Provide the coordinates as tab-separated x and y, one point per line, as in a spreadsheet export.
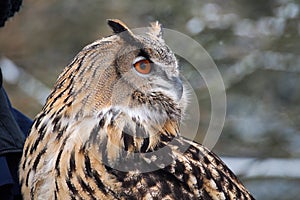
255	45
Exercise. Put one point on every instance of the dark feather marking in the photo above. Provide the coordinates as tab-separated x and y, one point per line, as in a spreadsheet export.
165	138
101	186
41	135
165	188
218	183
61	132
32	193
60	94
206	195
127	138
206	161
55	195
80	62
85	186
27	178
149	180
178	187
230	187
57	162
185	176
39	119
88	168
129	183
102	122
145	145
60	110
57	168
56	186
68	96
38	157
72	188
207	173
196	172
239	194
99	182
178	192
72	164
179	168
120	176
26	151
90	56
56	123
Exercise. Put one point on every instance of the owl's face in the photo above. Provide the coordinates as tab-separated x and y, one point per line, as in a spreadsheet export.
150	68
147	67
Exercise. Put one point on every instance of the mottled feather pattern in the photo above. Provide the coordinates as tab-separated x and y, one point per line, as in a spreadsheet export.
106	132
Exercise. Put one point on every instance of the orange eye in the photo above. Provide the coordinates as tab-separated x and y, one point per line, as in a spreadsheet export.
143	66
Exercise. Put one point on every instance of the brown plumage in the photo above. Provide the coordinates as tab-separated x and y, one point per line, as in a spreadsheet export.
110	129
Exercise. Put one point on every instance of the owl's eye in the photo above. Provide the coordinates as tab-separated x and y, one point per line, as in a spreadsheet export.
142	66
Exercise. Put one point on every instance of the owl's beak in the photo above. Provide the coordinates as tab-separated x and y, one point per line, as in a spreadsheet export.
178	86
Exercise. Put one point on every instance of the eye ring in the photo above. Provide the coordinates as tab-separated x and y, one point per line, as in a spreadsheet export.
142	65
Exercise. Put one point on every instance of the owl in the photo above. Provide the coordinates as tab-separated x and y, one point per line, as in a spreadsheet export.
110	129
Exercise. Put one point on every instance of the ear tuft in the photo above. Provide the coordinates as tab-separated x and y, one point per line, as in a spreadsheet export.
156	29
117	25
122	30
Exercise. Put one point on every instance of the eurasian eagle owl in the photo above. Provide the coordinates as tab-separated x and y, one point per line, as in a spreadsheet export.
110	129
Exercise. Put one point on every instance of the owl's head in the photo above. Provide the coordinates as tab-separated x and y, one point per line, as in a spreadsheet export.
131	70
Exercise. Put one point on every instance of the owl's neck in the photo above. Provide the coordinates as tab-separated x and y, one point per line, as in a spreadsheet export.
116	133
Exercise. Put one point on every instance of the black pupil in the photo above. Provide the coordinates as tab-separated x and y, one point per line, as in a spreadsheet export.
143	65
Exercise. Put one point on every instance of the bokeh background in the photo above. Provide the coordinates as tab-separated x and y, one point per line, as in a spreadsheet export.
255	45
